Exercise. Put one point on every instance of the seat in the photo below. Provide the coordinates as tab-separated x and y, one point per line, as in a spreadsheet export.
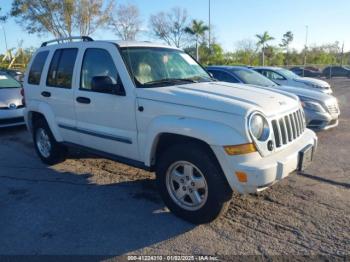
144	73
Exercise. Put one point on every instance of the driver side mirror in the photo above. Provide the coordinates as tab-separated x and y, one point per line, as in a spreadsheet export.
105	84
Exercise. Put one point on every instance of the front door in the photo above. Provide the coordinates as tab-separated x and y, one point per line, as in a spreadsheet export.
274	76
105	119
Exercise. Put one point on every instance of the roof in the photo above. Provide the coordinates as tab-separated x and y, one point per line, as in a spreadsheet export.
85	39
267	67
140	44
227	67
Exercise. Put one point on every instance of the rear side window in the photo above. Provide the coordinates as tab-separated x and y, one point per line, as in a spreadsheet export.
37	68
61	68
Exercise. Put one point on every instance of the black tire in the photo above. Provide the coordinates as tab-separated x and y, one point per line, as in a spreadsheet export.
219	192
57	152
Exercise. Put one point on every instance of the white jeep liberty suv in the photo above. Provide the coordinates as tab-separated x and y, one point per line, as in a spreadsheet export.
154	107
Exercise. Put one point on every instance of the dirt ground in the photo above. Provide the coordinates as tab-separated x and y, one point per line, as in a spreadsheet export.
93	206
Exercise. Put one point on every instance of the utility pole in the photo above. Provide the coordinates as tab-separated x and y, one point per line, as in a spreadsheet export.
305	48
342	55
209	25
3	29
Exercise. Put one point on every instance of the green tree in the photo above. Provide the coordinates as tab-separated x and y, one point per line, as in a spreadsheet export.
263	39
213	56
3	18
61	17
197	30
288	37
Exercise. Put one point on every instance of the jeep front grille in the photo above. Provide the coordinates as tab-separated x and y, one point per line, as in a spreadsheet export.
288	128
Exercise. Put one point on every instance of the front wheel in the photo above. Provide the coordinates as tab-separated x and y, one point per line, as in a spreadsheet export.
192	183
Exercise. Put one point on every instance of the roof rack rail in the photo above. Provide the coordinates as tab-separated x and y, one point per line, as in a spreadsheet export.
58	40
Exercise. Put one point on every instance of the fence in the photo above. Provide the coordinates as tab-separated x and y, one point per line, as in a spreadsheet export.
320	70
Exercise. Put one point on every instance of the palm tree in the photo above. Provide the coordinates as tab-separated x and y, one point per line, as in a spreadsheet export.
263	39
197	29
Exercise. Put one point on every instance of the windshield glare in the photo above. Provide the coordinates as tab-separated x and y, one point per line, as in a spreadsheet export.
253	78
287	73
151	65
7	81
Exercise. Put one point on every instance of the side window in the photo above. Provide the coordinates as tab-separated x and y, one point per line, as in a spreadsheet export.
61	68
264	73
37	68
98	64
274	76
229	78
223	76
216	74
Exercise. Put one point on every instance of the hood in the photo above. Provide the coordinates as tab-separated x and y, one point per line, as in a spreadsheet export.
313	94
221	96
10	96
309	80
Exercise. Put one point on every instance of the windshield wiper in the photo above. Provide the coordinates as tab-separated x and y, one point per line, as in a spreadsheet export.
171	81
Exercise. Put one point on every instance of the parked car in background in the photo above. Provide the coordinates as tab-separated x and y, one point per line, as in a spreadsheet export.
321	110
11	106
154	107
16	74
288	78
306	72
335	71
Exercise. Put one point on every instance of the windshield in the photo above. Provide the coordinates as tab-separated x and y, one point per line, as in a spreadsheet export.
252	78
155	67
6	81
287	73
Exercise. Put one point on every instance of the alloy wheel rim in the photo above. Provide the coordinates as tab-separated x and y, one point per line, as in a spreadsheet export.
43	142
186	185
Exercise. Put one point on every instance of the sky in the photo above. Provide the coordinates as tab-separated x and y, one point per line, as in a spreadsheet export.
232	21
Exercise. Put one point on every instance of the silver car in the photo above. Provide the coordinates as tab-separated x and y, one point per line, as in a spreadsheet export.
321	109
288	78
11	105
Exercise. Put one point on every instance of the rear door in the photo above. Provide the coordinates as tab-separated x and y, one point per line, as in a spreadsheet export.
105	120
58	90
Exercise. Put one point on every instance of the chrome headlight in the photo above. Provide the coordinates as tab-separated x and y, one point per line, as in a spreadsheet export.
259	127
310	104
314	85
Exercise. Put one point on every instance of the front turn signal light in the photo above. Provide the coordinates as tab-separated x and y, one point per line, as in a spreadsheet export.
240	149
242	177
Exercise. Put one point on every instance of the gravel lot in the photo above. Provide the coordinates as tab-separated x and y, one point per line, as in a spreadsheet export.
93	206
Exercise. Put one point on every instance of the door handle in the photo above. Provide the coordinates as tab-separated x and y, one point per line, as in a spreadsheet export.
83	100
46	94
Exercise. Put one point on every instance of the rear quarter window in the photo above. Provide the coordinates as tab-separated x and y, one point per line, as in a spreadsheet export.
37	68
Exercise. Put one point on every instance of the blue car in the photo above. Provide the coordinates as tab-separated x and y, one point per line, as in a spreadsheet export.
321	110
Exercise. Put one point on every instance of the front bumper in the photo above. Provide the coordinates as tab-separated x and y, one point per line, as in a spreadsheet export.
318	121
262	172
11	117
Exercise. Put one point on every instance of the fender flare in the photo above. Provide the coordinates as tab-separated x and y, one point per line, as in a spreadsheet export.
210	132
46	111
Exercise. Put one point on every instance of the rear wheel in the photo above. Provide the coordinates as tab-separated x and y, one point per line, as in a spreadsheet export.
48	149
192	184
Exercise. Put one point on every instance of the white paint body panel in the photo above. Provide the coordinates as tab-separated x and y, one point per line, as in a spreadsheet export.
215	113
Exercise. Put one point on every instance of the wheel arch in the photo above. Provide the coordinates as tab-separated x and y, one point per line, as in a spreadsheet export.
43	111
171	130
